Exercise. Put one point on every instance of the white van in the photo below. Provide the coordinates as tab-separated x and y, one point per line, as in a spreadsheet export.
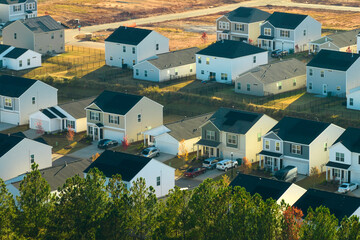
226	164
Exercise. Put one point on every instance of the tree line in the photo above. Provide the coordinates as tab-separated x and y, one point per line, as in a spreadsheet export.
92	208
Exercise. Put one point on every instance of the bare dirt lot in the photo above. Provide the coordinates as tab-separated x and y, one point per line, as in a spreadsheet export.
349	3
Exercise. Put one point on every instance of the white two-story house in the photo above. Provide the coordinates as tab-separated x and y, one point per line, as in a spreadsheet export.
233	134
223	61
115	115
288	31
128	46
241	24
20	97
344	158
11	10
300	143
333	73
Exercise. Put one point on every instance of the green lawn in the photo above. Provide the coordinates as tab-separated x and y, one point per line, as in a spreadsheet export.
60	142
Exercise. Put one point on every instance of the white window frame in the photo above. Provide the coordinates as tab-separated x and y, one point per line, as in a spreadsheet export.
339	157
310	86
267	144
310	72
33	100
70	123
239	27
322	73
139	117
351	101
276	147
158	181
279	85
296	149
114	119
254	59
224	25
267	31
8	103
210	135
32	158
285	33
231	139
224	76
239	85
94	116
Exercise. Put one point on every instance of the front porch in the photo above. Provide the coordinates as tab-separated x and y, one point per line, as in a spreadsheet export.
338	172
95	131
270	161
207	148
266	42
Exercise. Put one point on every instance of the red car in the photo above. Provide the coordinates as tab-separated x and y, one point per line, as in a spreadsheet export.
193	172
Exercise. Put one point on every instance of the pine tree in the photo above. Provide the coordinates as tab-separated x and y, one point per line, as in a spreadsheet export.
349	229
7	213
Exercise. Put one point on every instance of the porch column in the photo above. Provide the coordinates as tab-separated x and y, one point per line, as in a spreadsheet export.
326	169
144	139
260	161
197	151
273	160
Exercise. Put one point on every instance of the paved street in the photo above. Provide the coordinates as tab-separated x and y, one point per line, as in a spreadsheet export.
61	160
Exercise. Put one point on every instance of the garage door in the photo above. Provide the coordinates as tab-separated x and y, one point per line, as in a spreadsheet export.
303	167
7	117
167	147
114	135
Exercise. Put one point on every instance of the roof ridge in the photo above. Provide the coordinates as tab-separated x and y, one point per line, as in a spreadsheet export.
190	118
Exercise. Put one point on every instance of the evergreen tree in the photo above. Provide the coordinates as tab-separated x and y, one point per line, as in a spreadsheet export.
7	213
349	229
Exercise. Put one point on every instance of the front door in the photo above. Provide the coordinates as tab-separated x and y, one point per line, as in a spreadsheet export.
281	163
96	133
217	152
325	89
349	176
273	45
101	133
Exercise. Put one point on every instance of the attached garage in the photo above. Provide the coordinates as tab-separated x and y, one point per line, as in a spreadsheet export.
113	135
302	166
9	117
167	144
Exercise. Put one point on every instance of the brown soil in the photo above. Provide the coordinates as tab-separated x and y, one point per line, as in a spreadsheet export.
349	3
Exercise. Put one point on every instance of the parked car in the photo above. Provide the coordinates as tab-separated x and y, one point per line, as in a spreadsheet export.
226	164
193	172
150	152
107	143
347	187
278	53
287	174
210	163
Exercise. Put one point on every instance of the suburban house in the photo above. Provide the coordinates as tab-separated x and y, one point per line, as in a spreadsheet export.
17	154
241	24
177	137
128	46
115	115
225	60
288	31
339	41
18	58
11	10
339	204
132	167
353	99
232	134
298	142
20	97
344	159
272	78
40	34
61	117
333	73
167	66
269	188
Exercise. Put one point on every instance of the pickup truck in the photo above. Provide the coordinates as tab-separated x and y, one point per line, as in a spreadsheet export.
226	164
193	172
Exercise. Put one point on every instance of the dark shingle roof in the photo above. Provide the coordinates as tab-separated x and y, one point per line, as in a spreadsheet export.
11	86
247	15
57	112
339	204
298	130
175	58
128	35
77	108
116	102
48	113
3	48
8	142
9	2
127	165
234	121
42	24
335	60
285	20
188	128
230	49
350	139
16	53
266	188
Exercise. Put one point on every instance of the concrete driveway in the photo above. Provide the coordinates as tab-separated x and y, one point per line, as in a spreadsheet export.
86	152
163	157
61	159
355	193
5	126
32	133
185	182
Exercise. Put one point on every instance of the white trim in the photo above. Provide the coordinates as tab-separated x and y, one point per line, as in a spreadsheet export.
295	158
208	122
94	109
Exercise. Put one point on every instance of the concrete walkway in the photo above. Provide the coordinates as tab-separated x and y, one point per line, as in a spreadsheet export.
163	157
32	133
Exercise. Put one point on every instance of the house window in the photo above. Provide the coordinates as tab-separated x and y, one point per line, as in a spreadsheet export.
322	74
339	157
279	85
239	27
310	72
17	8
310	86
52	36
267	31
157	46
248	87
145	73
239	86
33	100
90	131
158	181
137	72
114	119
351	102
191	68
202	72
8	103
133	62
259	137
28	62
32	158
277	146
325	147
296	149
61	35
176	71
223	25
294	82
267	144
338	88
284	33
133	50
199	59
254	59
139	117
70	124
224	76
210	135
15	35
111	58
231	139
95	116
20	63
304	32
124	48
207	61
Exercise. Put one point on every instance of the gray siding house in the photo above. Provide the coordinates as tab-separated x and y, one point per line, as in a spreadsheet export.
41	34
272	78
241	24
231	133
12	10
333	73
298	142
287	31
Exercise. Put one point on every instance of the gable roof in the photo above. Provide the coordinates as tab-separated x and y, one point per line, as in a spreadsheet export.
187	128
339	204
4	47
77	108
11	86
350	139
9	2
128	35
16	53
127	165
7	142
175	58
234	121
116	102
335	60
298	130
41	24
247	15
344	39
230	49
277	71
286	20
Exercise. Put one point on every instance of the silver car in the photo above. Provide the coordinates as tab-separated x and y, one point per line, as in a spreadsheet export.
150	152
